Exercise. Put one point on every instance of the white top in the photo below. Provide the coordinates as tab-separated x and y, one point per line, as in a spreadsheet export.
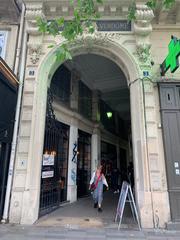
103	179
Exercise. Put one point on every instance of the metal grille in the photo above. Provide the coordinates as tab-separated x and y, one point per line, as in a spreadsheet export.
54	163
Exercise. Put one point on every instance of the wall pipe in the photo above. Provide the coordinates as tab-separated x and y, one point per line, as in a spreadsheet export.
16	125
19	45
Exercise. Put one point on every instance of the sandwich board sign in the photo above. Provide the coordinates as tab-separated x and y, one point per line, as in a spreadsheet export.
126	196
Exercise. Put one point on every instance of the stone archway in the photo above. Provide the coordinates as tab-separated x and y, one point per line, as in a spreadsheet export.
112	49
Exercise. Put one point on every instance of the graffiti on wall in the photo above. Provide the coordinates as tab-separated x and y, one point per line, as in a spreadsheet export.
73	175
74	158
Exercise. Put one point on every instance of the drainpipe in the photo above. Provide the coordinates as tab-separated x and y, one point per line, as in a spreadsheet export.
19	45
16	125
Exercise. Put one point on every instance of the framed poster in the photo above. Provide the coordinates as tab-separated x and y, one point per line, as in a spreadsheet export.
3	43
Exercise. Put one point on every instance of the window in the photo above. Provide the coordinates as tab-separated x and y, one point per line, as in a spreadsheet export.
85	100
60	85
3	41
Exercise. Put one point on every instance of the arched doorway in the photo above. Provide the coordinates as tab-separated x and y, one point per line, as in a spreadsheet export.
88	88
118	54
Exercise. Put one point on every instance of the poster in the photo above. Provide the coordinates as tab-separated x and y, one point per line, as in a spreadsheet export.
3	40
48	159
47	174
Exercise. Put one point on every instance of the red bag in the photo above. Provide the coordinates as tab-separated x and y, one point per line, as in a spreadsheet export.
94	185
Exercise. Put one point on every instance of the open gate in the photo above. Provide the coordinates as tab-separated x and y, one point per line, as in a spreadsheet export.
54	162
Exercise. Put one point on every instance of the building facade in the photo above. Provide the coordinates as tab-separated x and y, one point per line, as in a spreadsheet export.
10	12
60	141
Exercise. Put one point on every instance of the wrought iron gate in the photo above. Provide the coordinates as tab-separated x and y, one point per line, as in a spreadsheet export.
54	162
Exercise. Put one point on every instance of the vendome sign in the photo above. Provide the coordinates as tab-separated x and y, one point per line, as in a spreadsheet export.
172	59
111	25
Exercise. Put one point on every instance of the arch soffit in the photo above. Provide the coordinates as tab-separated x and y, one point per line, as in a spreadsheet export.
111	50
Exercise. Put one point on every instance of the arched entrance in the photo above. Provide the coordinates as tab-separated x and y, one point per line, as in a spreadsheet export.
118	54
86	89
126	62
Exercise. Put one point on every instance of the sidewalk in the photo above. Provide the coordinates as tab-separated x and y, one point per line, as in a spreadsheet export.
81	221
10	232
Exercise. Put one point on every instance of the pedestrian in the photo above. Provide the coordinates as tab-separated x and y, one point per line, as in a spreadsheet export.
96	184
131	174
115	179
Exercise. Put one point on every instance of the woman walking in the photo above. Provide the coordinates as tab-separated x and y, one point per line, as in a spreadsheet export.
96	184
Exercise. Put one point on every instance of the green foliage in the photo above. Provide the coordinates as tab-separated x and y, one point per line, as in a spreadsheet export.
152	4
132	11
168	3
83	16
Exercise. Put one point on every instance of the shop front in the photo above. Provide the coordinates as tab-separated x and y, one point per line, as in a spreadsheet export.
8	98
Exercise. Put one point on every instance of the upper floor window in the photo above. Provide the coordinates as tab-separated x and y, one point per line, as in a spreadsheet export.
3	42
85	100
61	84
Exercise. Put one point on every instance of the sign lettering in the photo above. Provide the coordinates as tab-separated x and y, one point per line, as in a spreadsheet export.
110	25
114	25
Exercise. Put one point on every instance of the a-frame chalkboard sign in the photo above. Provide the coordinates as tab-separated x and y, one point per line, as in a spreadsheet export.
126	196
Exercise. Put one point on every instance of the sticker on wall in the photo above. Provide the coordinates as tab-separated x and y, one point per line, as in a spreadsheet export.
176	164
177	172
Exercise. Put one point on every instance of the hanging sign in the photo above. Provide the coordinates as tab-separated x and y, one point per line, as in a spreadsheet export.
172	59
126	196
48	159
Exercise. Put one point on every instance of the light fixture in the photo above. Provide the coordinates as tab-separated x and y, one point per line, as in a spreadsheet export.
109	114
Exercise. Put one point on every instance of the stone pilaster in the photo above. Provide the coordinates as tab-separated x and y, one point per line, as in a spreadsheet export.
24	206
95	148
72	163
155	191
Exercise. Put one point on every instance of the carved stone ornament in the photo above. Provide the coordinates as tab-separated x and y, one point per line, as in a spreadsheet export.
32	13
34	52
142	29
143	52
88	39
